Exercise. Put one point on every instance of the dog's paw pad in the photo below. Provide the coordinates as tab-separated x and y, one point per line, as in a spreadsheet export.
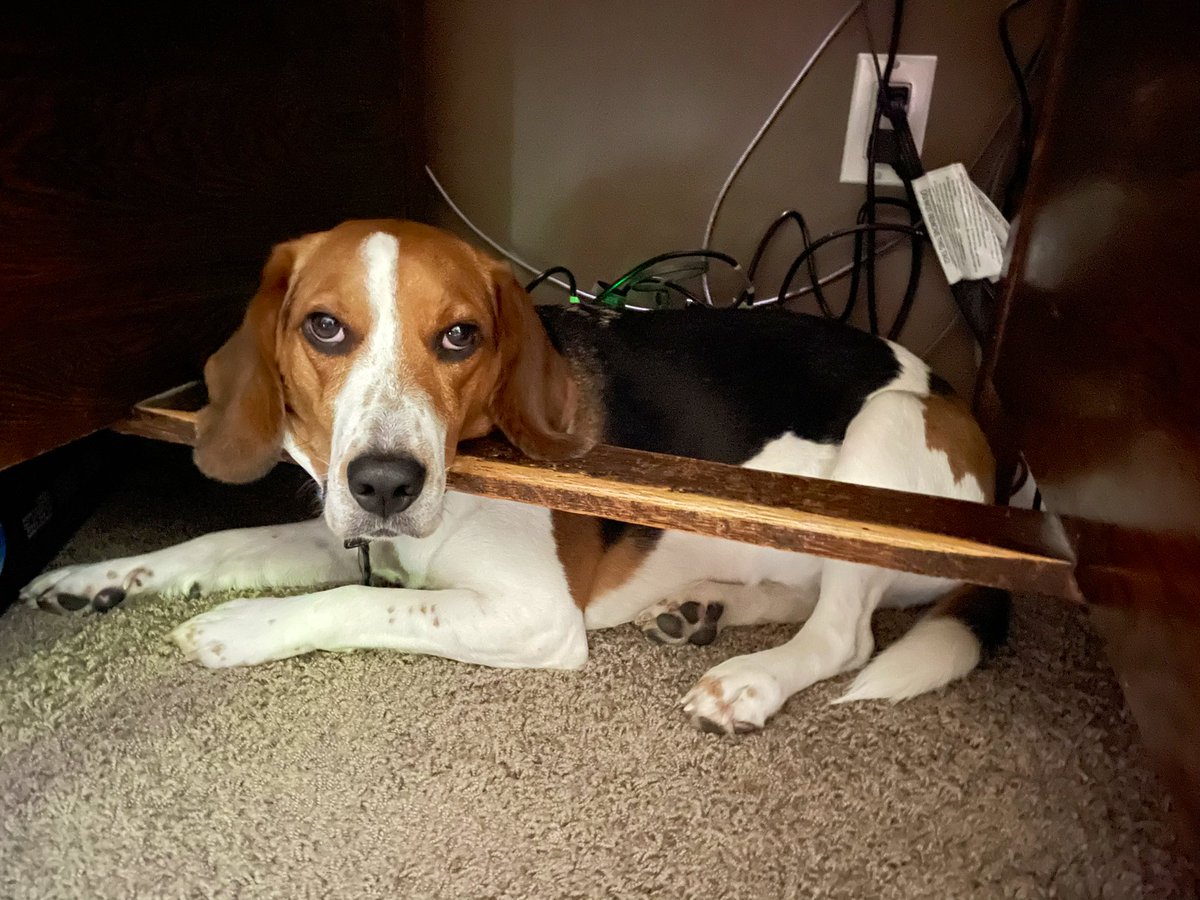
86	588
71	602
107	598
680	622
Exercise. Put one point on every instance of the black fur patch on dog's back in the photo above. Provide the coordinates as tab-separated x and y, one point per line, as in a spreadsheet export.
720	384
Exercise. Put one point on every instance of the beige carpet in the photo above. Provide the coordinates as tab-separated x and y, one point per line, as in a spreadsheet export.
126	772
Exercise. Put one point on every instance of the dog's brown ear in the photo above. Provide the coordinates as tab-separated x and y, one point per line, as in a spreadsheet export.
239	434
537	402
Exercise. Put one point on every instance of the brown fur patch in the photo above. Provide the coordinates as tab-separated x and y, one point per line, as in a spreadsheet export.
592	570
950	428
240	431
619	564
577	541
538	403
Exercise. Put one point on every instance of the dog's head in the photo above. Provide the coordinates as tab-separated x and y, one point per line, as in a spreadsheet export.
368	353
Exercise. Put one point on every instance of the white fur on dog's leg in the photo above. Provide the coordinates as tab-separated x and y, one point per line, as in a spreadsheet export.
243	633
741	693
934	653
737	696
296	555
519	630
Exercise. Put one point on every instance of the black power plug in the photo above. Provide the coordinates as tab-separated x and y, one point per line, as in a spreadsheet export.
885	149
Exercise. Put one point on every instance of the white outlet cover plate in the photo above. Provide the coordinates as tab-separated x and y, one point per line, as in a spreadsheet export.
915	71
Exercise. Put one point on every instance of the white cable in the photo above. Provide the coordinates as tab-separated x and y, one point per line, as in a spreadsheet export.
483	237
770	120
834	275
924	354
508	254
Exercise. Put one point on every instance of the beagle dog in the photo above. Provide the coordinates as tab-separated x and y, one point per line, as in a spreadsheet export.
371	350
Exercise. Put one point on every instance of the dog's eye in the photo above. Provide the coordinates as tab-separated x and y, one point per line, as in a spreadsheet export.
458	339
324	331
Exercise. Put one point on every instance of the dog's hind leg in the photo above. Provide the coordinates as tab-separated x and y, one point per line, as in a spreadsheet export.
900	441
741	693
305	554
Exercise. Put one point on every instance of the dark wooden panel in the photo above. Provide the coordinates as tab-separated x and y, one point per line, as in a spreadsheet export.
1098	364
150	155
1010	548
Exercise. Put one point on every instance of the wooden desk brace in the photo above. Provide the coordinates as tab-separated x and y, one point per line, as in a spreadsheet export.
1016	549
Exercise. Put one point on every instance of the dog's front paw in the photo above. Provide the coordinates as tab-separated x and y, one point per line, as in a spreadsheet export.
735	697
240	633
96	587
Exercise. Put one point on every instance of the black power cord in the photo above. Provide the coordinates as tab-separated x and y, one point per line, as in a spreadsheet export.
641	279
636	279
786	216
857	230
550	273
905	160
972	297
1016	184
882	107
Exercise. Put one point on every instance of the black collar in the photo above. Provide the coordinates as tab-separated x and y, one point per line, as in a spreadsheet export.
364	557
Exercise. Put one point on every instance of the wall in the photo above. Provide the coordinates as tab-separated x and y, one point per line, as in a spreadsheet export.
596	134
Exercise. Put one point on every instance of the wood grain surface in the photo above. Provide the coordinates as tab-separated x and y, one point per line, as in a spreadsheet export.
1012	548
151	154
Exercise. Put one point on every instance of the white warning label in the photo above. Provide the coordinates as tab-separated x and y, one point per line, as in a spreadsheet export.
968	232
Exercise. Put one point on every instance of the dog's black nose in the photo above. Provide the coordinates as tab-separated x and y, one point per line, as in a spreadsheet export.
384	485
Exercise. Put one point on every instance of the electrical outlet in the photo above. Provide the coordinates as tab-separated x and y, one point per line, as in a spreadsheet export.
913	74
